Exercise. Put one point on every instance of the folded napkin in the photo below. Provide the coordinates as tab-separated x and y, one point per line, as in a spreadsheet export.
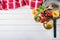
33	4
12	4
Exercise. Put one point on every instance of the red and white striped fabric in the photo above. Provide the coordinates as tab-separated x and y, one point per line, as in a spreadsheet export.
33	4
12	4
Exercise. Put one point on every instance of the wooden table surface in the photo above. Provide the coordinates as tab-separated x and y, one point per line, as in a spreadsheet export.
18	24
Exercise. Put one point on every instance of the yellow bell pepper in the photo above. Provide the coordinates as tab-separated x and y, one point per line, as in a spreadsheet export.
56	14
34	12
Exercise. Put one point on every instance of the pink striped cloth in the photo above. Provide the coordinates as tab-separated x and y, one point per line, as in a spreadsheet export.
33	4
12	4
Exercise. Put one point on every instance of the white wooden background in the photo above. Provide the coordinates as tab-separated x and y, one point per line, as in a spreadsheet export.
18	24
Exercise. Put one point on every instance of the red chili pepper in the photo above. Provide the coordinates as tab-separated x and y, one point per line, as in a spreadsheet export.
42	20
42	15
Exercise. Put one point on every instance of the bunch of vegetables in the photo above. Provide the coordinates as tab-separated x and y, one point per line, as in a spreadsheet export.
46	14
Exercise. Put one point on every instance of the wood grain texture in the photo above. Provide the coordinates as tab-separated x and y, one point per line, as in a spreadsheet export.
18	24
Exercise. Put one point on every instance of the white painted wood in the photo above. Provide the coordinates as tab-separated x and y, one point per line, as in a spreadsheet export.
18	24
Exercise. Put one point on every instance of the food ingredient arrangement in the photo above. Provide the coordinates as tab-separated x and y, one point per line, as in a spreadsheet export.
44	11
47	14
